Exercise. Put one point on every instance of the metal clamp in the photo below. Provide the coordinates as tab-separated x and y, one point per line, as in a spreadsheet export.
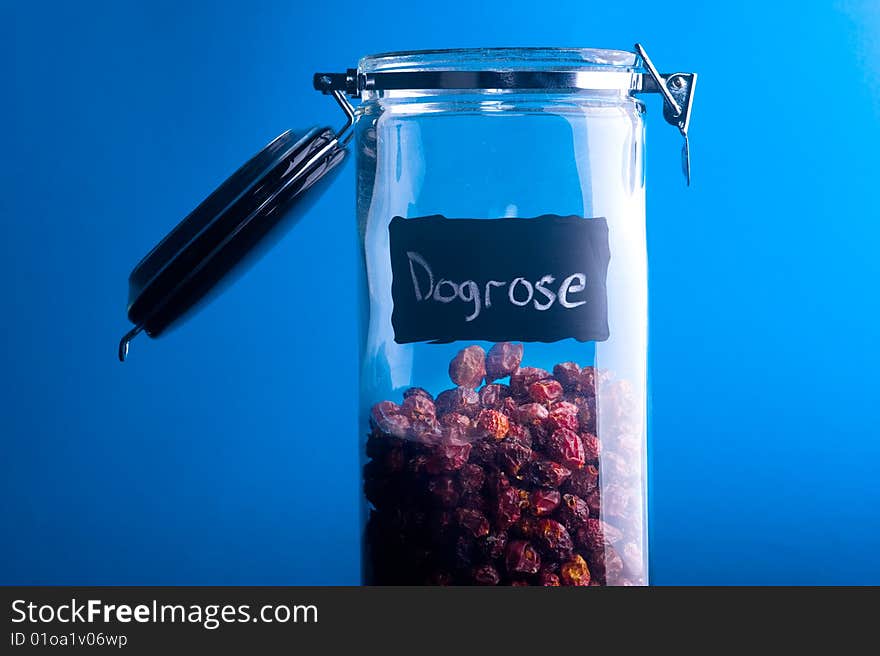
677	89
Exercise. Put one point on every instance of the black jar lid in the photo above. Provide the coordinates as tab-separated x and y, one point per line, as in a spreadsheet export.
218	235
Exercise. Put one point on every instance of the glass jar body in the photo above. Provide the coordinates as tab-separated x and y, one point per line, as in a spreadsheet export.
466	480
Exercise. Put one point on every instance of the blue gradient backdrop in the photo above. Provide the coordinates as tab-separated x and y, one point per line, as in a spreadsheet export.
224	453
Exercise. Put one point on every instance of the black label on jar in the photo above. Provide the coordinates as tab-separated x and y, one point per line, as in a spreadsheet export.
528	280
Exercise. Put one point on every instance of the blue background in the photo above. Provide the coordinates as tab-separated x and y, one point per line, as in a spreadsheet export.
224	453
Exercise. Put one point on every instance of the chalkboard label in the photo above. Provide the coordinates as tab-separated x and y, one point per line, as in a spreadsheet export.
528	280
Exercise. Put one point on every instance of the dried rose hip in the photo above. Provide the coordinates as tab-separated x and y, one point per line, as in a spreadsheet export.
484	452
506	508
543	501
386	416
531	414
417	391
519	433
447	457
472	522
606	565
593	501
418	407
486	575
460	400
491	423
546	473
574	513
493	395
587	383
583	481
565	446
468	367
545	391
449	477
563	415
591	447
575	572
553	539
426	430
526	527
569	374
521	379
503	359
513	455
522	558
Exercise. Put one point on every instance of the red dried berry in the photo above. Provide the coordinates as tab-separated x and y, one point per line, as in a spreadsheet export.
575	572
574	513
606	565
587	382
569	374
586	412
418	391
473	522
522	558
563	415
448	457
565	446
546	473
426	430
583	481
554	539
484	452
494	395
418	407
519	433
503	359
593	502
386	417
531	414
460	400
491	423
522	378
592	450
543	502
545	391
513	455
486	575
468	367
506	508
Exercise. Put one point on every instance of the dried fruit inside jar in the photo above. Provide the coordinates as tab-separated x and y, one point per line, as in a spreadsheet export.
503	480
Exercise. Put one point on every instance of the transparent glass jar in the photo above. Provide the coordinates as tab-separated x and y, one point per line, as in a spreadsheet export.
539	476
501	209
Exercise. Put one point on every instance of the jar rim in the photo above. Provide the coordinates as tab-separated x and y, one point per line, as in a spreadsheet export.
502	59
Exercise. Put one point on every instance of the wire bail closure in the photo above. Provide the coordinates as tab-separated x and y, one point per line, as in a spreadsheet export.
677	89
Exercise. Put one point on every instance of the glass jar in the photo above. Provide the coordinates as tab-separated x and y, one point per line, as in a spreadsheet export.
503	373
520	460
